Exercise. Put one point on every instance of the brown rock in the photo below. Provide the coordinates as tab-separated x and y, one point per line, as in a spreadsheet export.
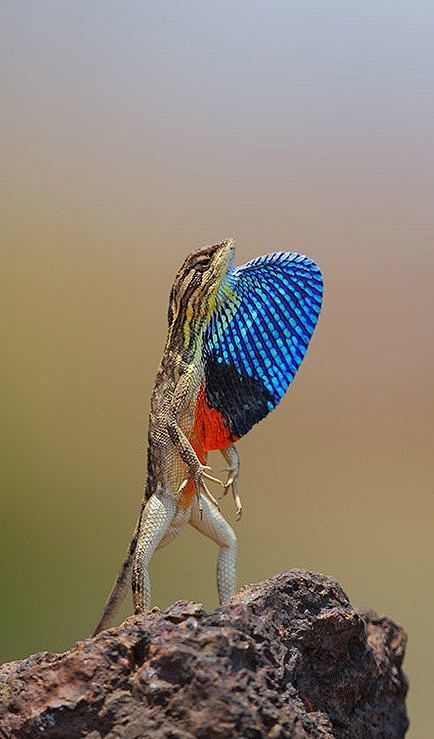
287	658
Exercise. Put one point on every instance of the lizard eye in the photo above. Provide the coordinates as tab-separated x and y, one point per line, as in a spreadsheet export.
202	264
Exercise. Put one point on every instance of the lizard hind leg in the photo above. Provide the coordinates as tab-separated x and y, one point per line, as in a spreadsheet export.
212	524
157	516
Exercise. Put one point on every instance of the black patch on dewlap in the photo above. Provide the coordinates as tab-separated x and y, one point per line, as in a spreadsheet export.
241	400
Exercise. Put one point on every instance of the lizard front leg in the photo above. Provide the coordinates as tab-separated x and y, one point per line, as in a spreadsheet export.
197	470
232	457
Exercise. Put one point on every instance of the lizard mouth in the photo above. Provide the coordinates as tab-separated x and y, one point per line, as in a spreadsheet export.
226	252
226	247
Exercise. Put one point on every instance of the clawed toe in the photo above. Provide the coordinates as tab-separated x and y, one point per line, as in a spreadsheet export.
210	477
231	484
183	485
202	488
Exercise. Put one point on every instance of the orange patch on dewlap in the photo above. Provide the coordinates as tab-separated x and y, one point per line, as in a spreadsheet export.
209	432
209	429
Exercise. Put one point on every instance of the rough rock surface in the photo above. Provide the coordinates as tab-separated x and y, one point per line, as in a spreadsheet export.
289	657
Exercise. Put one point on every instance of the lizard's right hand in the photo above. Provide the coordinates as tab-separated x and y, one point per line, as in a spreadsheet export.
199	475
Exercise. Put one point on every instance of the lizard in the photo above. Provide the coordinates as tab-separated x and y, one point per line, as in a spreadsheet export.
236	338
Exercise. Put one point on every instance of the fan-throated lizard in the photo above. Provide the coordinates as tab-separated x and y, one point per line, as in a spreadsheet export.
236	339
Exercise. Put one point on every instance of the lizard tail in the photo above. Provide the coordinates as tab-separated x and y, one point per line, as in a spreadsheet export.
122	583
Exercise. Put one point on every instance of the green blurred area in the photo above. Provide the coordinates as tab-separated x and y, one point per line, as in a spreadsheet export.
130	138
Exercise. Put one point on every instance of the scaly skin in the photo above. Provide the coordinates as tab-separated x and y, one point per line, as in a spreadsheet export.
176	491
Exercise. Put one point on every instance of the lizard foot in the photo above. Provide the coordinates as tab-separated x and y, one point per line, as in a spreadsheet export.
199	478
232	485
202	488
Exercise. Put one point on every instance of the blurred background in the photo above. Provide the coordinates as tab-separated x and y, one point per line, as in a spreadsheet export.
132	133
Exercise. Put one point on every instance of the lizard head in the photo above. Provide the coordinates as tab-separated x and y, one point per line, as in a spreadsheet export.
197	284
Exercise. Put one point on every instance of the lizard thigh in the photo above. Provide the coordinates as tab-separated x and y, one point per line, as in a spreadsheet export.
156	518
179	520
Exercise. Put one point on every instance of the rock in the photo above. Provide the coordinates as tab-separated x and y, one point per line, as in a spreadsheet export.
289	657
